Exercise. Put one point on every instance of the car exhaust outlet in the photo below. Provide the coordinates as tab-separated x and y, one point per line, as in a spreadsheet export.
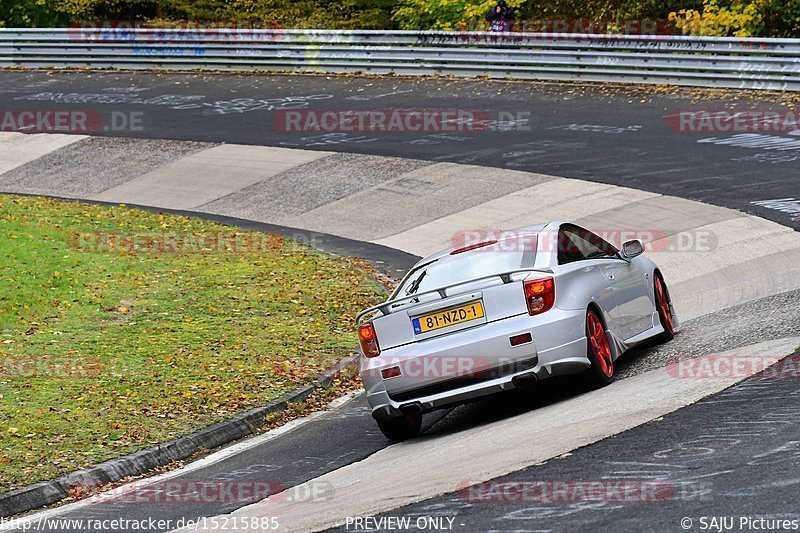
523	381
411	408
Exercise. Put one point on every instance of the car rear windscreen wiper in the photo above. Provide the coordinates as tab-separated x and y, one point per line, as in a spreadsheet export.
415	284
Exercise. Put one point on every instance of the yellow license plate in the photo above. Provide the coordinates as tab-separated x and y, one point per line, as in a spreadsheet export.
442	319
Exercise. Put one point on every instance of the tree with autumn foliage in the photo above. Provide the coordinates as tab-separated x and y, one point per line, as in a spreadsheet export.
771	18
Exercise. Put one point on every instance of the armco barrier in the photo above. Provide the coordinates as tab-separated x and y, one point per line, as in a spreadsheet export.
747	63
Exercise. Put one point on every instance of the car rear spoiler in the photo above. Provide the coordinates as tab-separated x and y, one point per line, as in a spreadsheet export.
386	307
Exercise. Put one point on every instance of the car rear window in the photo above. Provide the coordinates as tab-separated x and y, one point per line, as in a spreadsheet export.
499	258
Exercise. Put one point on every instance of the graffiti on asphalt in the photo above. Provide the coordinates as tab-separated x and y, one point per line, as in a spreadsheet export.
329	139
179	101
755	140
598	128
790	206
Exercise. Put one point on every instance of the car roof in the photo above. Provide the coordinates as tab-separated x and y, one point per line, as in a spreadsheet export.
499	235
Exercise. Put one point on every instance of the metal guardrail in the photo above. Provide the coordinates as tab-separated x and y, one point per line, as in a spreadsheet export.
747	63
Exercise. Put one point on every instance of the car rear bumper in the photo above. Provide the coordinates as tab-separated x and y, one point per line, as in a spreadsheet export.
469	364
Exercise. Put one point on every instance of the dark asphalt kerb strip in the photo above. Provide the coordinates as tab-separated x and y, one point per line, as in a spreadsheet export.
386	260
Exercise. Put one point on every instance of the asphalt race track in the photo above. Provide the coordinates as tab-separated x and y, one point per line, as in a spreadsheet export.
734	453
614	136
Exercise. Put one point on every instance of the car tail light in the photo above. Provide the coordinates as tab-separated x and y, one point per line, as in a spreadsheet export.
368	340
540	295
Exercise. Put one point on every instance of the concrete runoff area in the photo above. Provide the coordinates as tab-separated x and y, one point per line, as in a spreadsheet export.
92	165
20	148
556	199
205	176
400	204
309	185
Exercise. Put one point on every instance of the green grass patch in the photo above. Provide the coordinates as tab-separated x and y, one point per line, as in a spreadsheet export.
122	328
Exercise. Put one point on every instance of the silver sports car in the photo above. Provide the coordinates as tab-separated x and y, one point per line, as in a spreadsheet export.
503	313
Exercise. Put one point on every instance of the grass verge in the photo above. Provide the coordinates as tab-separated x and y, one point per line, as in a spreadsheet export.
121	328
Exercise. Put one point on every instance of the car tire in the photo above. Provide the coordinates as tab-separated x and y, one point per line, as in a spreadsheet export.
664	309
401	428
598	351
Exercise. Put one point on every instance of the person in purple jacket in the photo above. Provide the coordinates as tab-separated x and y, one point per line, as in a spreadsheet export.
500	17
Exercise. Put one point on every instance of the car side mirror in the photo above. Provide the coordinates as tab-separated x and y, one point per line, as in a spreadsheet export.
631	249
